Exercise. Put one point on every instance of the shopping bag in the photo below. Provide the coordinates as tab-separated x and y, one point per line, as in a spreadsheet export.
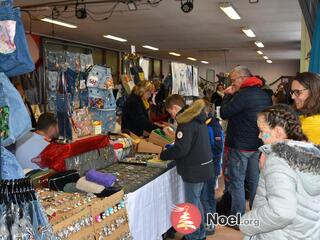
100	77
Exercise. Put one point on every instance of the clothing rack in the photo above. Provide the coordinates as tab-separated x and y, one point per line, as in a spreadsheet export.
16	191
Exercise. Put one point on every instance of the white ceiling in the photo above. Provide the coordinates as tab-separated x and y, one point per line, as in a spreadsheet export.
202	34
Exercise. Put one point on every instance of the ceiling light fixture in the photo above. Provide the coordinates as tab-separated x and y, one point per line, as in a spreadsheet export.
260	52
132	5
115	38
259	44
265	57
58	22
192	59
205	62
175	54
248	31
186	6
150	47
253	1
229	10
269	61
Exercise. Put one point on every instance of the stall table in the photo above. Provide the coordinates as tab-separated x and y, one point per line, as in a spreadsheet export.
152	193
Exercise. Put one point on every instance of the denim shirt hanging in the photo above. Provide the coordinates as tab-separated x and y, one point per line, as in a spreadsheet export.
17	110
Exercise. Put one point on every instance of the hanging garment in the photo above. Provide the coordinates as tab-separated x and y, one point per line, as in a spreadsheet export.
15	58
21	214
13	102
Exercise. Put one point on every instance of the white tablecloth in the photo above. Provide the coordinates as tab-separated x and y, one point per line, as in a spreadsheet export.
150	206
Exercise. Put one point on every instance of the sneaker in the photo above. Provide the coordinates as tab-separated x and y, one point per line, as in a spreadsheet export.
210	230
170	234
235	227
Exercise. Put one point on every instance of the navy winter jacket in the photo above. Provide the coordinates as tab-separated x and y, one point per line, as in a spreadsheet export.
241	111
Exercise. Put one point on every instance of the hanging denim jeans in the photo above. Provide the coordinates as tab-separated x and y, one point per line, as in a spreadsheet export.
10	167
19	61
71	77
19	119
62	108
64	125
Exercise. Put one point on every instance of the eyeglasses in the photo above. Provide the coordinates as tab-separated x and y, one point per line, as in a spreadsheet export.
297	92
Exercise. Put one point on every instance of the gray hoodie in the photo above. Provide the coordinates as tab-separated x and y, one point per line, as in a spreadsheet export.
287	202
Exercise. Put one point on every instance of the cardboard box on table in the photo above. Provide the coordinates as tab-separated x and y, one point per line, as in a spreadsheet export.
159	140
143	146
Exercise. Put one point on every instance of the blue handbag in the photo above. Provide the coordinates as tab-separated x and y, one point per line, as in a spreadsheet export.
15	58
101	98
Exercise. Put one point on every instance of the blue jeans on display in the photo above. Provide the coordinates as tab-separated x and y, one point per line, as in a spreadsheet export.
208	197
242	165
64	125
193	195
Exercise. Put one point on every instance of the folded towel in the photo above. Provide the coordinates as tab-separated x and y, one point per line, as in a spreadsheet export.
89	187
105	179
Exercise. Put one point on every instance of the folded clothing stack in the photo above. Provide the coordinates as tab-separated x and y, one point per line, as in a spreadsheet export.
101	184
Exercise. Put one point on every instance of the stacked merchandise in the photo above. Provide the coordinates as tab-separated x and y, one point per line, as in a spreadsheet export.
101	100
83	216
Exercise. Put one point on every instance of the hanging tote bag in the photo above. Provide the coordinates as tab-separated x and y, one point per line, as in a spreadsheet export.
15	58
19	121
100	77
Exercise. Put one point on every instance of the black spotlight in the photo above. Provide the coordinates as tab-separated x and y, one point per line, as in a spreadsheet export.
186	5
81	11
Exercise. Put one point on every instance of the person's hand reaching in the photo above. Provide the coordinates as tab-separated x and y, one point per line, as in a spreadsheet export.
230	90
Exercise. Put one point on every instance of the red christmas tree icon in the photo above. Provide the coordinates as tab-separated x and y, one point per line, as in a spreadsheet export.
186	218
185	221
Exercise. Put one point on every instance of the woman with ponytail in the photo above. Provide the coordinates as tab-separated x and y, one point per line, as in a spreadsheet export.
287	201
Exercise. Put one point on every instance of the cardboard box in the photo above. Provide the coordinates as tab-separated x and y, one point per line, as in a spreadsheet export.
159	140
148	147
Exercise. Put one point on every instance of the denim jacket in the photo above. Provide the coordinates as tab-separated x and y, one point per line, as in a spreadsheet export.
10	168
19	119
